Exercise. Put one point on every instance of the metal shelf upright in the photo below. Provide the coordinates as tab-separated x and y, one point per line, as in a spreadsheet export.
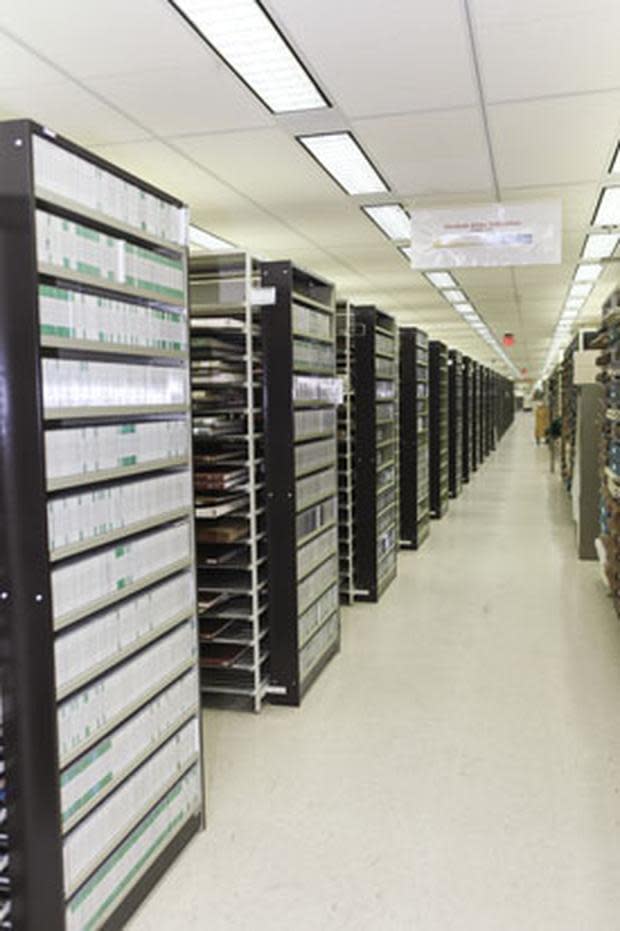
414	433
302	395
455	420
439	435
375	381
468	420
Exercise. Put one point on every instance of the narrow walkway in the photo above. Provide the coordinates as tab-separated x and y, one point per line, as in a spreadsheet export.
458	766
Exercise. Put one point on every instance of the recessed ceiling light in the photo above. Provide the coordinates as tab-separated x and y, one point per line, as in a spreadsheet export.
588	272
441	279
246	37
406	251
580	290
615	165
464	308
343	158
208	242
607	212
574	303
392	219
600	245
454	296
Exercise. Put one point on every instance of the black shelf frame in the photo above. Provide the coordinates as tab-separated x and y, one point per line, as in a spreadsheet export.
456	427
467	419
414	441
27	672
474	458
439	429
369	321
289	285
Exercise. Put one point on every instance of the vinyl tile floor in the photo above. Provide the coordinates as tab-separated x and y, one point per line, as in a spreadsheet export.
457	766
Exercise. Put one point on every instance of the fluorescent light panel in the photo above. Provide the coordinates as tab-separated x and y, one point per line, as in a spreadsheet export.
580	290
588	272
248	40
600	245
615	165
392	219
454	296
209	242
343	158
608	209
441	279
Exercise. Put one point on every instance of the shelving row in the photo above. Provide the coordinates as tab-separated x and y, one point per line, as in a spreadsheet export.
608	362
346	450
468	419
376	482
301	403
414	437
456	422
185	502
439	445
229	479
101	737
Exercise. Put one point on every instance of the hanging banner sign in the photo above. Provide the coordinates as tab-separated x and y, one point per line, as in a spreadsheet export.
488	235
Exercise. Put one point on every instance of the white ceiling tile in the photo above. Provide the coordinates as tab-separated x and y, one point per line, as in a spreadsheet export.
163	166
578	201
383	57
68	109
538	47
175	100
554	142
115	37
429	153
265	164
340	223
20	67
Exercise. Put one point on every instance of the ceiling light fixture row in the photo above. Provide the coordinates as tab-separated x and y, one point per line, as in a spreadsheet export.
599	246
449	289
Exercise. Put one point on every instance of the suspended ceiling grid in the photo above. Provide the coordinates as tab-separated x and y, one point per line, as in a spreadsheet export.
456	102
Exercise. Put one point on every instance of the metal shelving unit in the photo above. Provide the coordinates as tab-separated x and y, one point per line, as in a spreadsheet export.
475	417
438	429
102	781
302	395
455	422
468	419
375	382
229	478
608	361
414	433
346	452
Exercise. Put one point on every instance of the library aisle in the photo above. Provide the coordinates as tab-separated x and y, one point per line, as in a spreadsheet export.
456	768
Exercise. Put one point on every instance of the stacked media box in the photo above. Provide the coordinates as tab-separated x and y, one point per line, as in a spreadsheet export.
302	395
414	457
438	426
608	546
375	383
97	594
346	452
455	403
229	478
